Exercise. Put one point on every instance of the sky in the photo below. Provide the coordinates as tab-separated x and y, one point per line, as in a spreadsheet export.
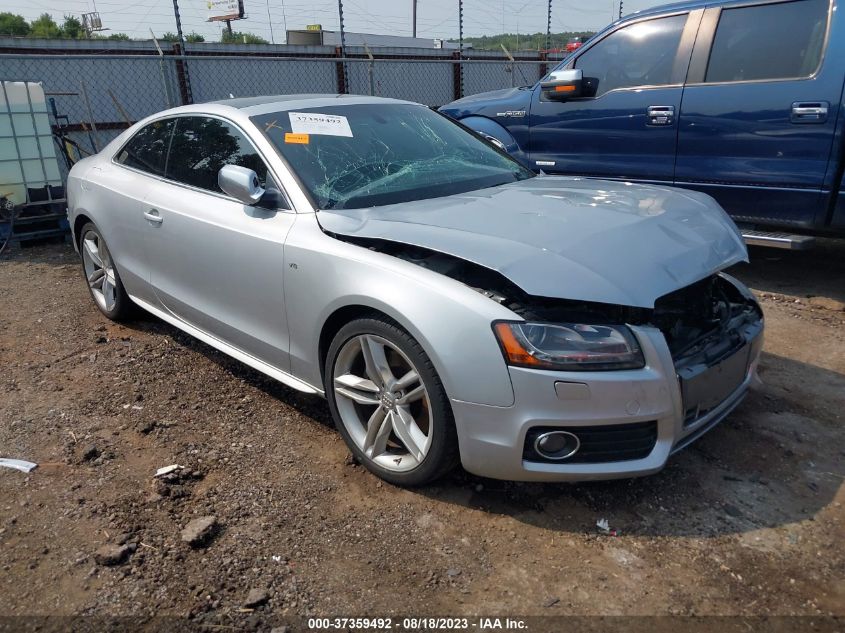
270	18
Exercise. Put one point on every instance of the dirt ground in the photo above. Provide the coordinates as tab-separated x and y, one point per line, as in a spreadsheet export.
746	522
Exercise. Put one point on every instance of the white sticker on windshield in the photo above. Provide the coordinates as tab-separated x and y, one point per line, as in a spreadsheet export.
315	123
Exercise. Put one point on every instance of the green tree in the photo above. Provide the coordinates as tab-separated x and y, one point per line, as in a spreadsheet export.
236	37
524	41
13	24
118	36
190	37
45	26
72	28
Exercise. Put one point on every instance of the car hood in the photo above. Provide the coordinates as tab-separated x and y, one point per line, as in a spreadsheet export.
568	238
515	97
483	97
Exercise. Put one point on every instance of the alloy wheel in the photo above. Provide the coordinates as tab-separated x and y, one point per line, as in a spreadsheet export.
99	270
383	403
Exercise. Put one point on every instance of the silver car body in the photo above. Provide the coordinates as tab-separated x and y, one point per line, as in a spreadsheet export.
262	285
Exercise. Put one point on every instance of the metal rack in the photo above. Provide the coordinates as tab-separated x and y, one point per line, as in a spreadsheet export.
32	195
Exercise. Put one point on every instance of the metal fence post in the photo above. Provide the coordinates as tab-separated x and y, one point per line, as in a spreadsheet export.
164	83
187	96
340	67
182	75
457	80
370	70
344	83
460	48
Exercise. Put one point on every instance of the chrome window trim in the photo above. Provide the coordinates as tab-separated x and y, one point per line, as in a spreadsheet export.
629	89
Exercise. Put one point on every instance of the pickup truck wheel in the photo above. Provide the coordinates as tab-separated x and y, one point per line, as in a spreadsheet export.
389	404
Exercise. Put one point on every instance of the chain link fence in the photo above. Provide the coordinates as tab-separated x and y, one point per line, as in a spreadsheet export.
93	97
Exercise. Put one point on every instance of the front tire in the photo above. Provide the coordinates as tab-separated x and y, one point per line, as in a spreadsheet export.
388	403
101	275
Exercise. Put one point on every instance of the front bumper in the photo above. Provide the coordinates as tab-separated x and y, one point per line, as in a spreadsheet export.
491	438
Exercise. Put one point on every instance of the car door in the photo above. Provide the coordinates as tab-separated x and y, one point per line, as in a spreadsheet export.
625	125
134	169
759	111
216	263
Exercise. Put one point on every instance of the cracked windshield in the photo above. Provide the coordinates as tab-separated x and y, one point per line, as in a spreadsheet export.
351	157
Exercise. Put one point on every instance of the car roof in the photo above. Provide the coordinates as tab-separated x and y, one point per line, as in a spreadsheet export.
280	103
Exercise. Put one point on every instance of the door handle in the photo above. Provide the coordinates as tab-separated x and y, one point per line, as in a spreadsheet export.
809	112
153	216
660	115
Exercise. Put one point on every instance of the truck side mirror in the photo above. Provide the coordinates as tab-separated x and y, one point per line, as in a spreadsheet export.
562	85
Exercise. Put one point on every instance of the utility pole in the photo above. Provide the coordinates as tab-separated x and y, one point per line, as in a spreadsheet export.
549	26
188	94
620	9
414	17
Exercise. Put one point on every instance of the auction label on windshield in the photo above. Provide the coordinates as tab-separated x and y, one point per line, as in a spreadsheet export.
299	139
316	123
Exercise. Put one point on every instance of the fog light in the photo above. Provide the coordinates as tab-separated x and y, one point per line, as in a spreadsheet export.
557	445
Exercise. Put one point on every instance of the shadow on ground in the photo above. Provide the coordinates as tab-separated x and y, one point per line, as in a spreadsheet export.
774	462
818	272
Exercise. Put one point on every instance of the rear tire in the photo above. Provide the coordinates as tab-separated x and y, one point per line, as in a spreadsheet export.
100	273
389	404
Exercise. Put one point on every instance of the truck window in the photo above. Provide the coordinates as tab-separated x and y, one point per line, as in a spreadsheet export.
640	54
769	41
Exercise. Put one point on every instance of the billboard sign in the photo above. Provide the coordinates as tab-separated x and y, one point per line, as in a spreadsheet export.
221	10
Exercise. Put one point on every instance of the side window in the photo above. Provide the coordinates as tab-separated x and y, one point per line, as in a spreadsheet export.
769	41
147	150
640	54
202	145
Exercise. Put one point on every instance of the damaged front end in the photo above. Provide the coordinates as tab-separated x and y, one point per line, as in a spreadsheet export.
712	327
714	331
701	322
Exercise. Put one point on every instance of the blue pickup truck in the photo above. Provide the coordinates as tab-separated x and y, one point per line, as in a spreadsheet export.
740	99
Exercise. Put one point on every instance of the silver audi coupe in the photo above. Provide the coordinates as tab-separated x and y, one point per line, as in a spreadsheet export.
448	303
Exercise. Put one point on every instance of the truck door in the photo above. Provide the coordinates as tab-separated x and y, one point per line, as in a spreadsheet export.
759	111
625	125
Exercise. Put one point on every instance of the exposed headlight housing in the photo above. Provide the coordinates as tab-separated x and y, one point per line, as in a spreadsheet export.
569	346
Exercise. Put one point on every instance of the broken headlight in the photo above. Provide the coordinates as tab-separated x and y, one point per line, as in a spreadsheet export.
569	346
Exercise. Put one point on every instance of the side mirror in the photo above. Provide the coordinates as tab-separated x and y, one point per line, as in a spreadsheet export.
241	183
562	85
